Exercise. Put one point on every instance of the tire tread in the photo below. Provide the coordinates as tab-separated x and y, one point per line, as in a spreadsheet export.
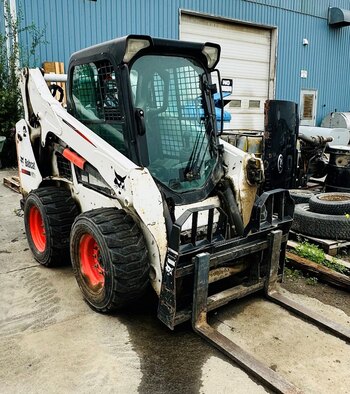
127	251
320	225
60	210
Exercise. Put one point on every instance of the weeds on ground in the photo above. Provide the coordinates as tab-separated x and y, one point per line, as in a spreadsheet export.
311	252
317	255
336	266
292	274
312	281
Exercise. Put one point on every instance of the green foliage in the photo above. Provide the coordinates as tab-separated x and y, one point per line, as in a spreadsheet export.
12	56
292	273
334	265
315	254
312	281
311	252
9	96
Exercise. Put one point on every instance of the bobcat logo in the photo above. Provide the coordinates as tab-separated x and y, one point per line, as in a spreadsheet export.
119	181
280	164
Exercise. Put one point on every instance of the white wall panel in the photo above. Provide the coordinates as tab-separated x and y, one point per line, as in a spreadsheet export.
245	58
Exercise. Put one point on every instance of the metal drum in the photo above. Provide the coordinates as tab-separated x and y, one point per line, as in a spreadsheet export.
251	143
280	144
247	141
338	174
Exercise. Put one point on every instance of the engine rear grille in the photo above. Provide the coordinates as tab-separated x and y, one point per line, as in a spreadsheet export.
64	167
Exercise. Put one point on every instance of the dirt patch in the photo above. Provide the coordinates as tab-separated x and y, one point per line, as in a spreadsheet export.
321	291
337	197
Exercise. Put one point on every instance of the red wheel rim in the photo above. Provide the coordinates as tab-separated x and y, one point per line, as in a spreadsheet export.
90	262
37	229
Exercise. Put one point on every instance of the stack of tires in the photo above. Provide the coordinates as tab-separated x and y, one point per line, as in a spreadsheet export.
326	215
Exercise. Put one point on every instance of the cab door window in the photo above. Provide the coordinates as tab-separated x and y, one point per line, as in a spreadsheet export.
96	102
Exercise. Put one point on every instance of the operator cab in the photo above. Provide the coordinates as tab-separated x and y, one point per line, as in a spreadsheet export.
151	99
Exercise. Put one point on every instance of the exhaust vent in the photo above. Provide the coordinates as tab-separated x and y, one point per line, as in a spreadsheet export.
338	17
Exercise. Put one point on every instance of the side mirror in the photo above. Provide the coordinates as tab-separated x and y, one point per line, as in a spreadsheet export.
213	88
221	130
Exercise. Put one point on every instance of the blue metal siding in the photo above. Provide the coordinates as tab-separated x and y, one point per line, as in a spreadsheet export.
2	20
74	24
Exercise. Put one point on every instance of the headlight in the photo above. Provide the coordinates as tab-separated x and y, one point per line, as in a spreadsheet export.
133	46
212	54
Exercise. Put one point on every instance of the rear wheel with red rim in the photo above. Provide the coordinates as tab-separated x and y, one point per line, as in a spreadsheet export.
109	258
48	217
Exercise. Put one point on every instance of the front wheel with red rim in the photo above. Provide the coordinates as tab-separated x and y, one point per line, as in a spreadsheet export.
37	228
48	217
109	258
91	265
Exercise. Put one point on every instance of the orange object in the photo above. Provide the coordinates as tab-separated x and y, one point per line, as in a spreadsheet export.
74	158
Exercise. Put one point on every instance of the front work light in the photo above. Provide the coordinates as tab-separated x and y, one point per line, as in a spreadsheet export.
212	54
133	46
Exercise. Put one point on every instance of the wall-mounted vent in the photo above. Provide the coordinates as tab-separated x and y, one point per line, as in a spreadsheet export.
235	104
254	103
338	17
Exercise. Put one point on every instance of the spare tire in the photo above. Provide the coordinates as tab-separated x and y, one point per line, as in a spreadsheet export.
320	225
300	195
330	203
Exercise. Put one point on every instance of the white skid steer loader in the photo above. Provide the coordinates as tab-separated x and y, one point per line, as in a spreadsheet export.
133	183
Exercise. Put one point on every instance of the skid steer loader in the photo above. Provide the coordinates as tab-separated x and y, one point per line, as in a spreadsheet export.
133	183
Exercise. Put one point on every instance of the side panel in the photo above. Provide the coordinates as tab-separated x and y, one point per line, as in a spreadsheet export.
236	161
29	173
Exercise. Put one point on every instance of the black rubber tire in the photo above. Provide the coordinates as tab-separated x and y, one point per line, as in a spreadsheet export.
330	203
320	225
58	210
301	196
122	255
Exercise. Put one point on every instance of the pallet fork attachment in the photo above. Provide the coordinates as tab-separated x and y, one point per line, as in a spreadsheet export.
253	366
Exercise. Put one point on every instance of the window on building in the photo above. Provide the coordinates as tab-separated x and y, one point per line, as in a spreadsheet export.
254	103
308	107
235	104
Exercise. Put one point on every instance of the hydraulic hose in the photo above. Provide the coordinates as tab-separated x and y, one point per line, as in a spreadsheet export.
228	201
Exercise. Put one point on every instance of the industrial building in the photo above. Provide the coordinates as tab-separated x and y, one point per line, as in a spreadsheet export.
295	50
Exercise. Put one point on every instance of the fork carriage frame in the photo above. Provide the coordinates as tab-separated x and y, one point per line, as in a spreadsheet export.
265	239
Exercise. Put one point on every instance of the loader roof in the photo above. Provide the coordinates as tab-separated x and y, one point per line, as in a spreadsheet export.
118	47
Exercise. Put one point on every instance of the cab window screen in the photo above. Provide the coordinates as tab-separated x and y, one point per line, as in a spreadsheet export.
95	95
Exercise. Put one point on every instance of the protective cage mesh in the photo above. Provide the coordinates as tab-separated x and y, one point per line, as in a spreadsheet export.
95	92
110	107
181	121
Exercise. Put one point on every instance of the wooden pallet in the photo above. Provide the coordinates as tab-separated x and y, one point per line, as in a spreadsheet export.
330	246
13	183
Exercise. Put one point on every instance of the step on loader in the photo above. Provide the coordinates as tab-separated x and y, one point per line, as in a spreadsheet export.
132	183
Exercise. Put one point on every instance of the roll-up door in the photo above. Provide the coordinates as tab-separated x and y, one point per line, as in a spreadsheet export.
246	58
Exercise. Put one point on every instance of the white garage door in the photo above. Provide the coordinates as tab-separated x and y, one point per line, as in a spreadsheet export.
245	58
